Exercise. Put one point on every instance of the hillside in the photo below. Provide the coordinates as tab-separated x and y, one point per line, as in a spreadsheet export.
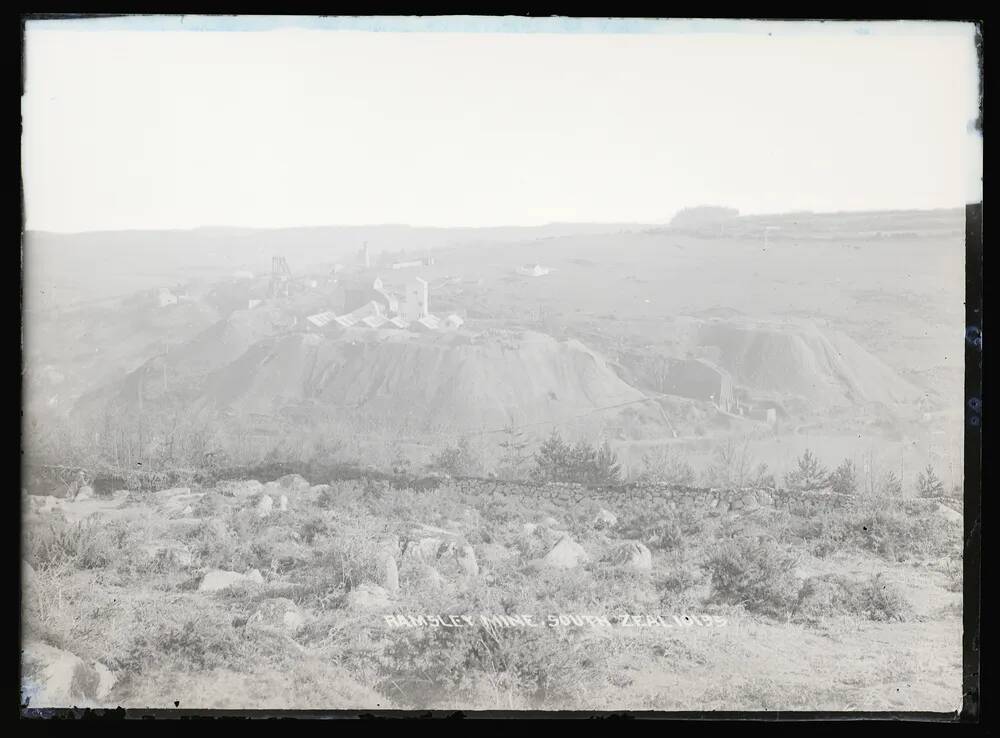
821	366
444	382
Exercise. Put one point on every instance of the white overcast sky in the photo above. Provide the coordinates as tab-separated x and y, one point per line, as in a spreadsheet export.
178	129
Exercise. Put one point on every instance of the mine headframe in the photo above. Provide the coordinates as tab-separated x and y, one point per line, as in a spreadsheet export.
281	276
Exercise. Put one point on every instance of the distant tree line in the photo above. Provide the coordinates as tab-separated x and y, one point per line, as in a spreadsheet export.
123	442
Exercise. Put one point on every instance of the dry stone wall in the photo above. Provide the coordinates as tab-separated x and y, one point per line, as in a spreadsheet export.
708	498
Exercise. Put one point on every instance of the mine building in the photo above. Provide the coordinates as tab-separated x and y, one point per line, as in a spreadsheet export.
532	270
416	300
357	295
700	379
166	297
407	264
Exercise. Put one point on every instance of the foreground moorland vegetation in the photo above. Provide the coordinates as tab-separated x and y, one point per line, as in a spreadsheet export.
237	594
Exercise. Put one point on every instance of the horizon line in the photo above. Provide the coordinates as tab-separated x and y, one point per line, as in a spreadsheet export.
548	224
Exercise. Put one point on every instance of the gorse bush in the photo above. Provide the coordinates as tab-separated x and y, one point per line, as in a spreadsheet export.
660	525
891	532
196	643
835	594
826	595
757	574
88	544
458	460
880	599
506	668
675	586
313	526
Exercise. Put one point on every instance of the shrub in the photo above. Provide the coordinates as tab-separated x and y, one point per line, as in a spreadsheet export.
352	557
459	460
844	479
808	475
731	465
891	486
313	526
211	542
888	531
504	508
603	467
558	461
882	600
955	575
510	668
762	478
929	484
197	642
899	536
826	595
659	525
514	457
835	594
756	574
88	544
665	466
676	587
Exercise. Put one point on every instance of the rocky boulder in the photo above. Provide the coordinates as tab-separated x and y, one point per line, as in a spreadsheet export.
277	614
390	574
168	556
52	677
29	584
368	596
537	540
424	549
240	488
264	506
40	504
293	483
496	553
431	577
216	527
465	555
566	554
946	513
177	500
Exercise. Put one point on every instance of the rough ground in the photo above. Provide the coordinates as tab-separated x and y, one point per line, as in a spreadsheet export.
130	586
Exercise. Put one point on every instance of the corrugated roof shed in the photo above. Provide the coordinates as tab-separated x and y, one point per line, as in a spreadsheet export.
322	319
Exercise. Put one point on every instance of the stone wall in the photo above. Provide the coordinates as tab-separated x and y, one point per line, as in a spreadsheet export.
709	498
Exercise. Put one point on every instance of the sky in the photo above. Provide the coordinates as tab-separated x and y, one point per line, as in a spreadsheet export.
174	123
